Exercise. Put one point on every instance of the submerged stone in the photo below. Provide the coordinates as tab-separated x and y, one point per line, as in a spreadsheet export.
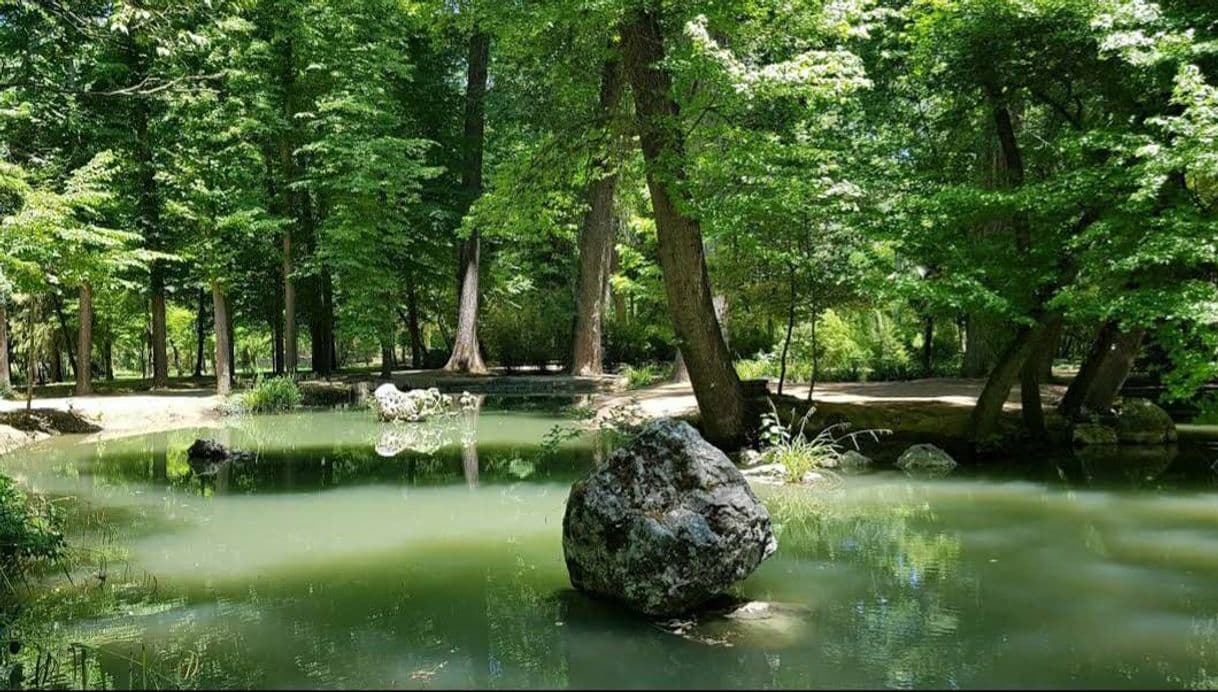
665	524
925	457
1141	422
206	457
852	461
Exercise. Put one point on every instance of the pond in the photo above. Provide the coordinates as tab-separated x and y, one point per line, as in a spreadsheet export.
348	557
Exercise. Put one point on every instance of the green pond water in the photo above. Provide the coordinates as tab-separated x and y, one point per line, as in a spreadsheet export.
326	563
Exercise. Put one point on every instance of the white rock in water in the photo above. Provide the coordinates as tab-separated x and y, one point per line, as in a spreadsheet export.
392	404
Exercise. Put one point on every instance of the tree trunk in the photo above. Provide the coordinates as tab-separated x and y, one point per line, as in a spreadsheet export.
1076	394
160	355
682	260
200	332
31	364
67	338
815	356
1029	383
466	354
6	373
988	412
223	356
928	343
1113	370
108	358
386	358
596	238
416	335
84	369
786	342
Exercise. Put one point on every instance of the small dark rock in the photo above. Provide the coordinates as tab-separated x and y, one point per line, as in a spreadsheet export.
205	457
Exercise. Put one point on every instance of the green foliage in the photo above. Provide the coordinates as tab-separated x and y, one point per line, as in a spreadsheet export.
798	453
645	375
273	395
30	529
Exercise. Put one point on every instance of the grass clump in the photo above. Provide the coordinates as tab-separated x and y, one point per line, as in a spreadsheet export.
798	454
274	395
640	376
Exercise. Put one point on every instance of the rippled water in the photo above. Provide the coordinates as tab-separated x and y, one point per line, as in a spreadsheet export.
324	563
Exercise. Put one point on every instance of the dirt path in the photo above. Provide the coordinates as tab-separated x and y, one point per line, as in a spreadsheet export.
677	399
124	414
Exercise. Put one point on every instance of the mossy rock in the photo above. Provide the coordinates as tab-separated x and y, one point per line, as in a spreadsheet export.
1141	422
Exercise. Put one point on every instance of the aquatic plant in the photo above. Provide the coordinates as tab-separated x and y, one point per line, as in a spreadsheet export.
790	446
30	529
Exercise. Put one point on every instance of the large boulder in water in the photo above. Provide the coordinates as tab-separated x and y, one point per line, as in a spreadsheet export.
665	524
392	404
1141	422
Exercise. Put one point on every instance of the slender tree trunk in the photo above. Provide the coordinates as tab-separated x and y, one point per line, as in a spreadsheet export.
928	344
1114	369
200	332
1076	394
108	357
223	355
31	364
786	342
416	335
84	369
466	354
682	259
6	373
596	238
386	359
160	355
815	356
1029	384
67	337
988	412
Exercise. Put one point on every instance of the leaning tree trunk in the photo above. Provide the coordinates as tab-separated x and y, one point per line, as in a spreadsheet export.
596	239
6	373
682	259
466	354
987	414
84	347
1076	394
223	356
1113	370
1029	378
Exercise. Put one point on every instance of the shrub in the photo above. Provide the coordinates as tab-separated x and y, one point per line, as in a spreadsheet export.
29	528
275	395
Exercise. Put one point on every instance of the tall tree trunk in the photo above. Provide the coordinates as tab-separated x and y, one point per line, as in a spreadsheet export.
84	369
416	335
682	260
596	237
988	412
31	364
1029	382
466	354
67	337
786	342
224	355
928	345
1114	369
6	373
1076	394
386	358
108	357
160	354
289	306
200	332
